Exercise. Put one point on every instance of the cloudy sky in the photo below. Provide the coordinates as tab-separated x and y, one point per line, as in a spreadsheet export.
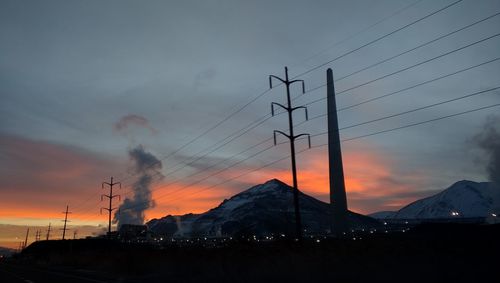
84	82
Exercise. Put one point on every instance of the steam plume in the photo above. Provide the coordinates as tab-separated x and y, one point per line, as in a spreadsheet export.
489	141
146	166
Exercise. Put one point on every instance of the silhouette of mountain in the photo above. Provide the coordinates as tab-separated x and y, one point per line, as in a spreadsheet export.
462	199
261	210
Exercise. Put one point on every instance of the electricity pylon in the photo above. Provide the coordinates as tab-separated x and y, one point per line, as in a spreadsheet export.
288	108
110	197
65	221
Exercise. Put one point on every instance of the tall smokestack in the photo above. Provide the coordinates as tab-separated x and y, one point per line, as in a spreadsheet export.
338	199
131	211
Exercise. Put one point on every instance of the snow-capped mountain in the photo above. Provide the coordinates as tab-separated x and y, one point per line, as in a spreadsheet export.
260	210
462	199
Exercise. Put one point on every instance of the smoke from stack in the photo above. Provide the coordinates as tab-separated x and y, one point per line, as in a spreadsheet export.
146	167
489	141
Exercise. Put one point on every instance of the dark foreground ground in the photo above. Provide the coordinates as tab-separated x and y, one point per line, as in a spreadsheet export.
428	253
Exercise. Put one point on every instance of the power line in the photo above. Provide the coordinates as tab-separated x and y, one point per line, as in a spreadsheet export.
420	46
349	139
402	53
354	125
407	68
419	84
363	30
344	140
373	99
413	110
220	171
207	130
378	39
217	172
423	122
222	161
245	106
421	63
265	118
213	165
234	137
263	93
322	145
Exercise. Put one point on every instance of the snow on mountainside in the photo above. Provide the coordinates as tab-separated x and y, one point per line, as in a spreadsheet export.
260	210
467	198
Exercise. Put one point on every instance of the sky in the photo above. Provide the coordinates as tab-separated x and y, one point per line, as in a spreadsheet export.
83	83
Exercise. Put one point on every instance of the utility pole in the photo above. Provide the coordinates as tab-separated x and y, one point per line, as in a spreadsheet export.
74	234
48	232
26	239
288	108
65	221
110	197
37	235
338	199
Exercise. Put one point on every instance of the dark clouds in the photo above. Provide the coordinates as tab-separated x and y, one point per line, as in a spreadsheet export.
130	120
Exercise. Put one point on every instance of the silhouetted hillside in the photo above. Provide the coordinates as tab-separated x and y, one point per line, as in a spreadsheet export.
427	253
264	209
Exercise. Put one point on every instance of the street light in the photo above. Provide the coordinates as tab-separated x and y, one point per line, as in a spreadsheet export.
494	218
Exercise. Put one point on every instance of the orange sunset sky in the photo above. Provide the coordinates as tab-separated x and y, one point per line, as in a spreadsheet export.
83	83
369	180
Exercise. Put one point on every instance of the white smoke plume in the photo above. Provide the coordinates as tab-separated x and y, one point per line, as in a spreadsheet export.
146	167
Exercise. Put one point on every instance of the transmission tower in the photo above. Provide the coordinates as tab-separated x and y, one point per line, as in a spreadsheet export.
65	221
288	108
26	239
48	232
110	197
